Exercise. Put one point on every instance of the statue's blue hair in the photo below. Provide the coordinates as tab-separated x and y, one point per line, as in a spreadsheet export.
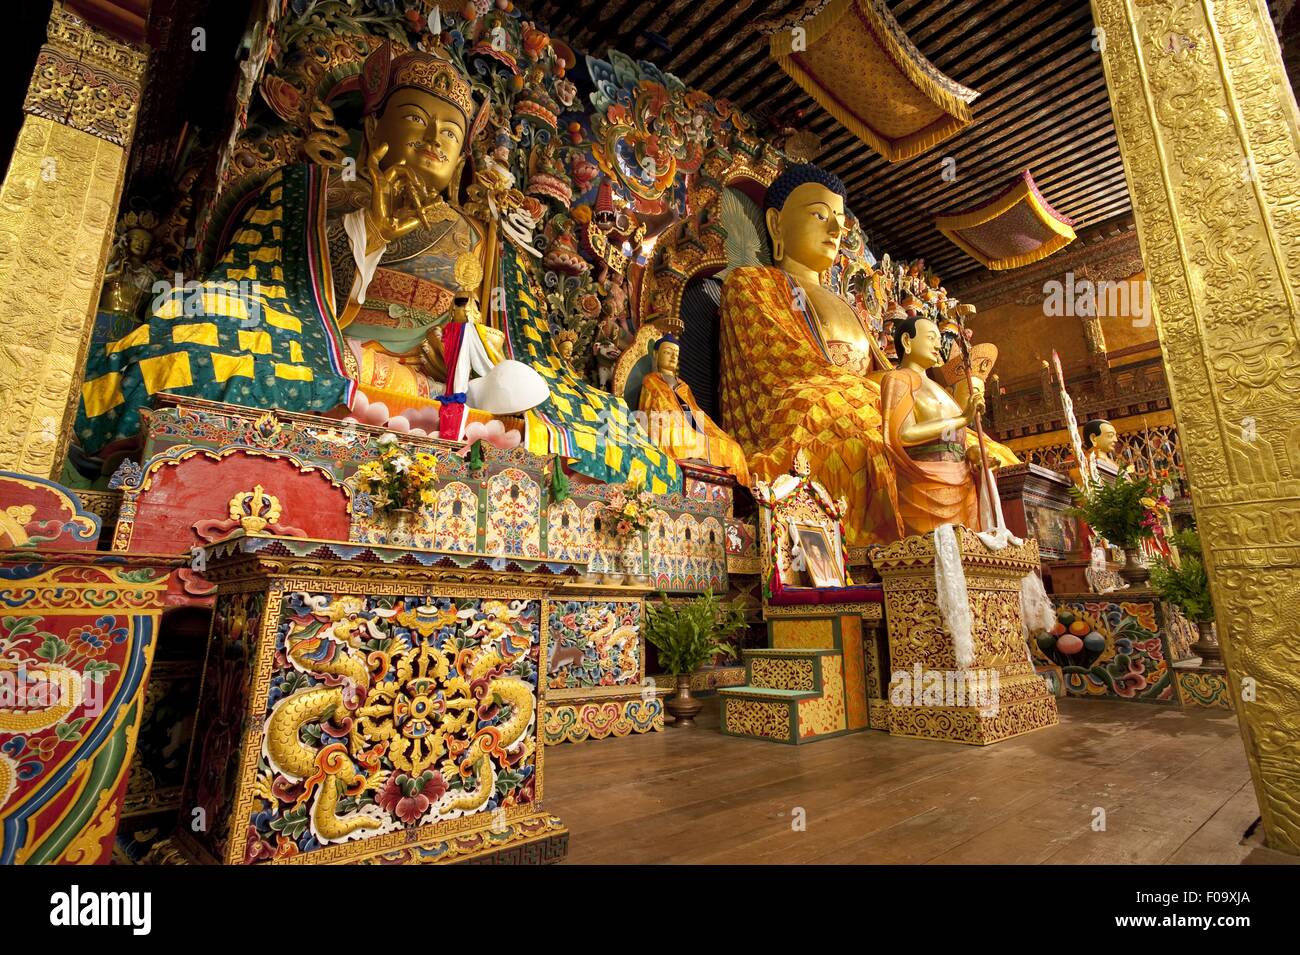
669	339
796	176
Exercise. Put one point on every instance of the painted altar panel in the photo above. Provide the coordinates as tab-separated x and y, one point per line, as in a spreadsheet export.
380	715
76	644
514	517
1124	653
503	508
595	643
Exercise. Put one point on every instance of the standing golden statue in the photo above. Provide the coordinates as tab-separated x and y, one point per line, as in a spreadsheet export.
926	435
676	422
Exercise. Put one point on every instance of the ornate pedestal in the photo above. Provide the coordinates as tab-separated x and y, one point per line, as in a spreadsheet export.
596	683
998	695
370	704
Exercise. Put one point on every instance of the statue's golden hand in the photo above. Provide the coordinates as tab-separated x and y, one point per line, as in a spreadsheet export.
974	407
465	312
395	199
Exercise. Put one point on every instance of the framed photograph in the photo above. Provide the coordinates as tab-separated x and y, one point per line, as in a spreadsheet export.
820	557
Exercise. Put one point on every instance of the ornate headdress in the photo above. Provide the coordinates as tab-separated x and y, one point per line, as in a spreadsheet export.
669	339
383	73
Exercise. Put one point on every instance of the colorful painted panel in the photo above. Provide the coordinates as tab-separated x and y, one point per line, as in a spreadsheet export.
594	643
378	721
573	722
513	515
456	521
568	533
76	643
1110	648
39	513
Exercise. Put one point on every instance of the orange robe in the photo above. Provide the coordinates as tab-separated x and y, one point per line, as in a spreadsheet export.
782	392
678	426
930	493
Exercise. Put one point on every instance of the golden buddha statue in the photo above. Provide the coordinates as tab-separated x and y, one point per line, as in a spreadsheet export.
675	421
405	260
128	278
798	361
800	367
933	452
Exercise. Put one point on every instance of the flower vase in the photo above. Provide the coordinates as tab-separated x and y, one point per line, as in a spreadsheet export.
1135	569
401	525
629	556
1207	645
682	706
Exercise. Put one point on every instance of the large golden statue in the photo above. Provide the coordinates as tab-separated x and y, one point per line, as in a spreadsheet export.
365	291
405	259
801	369
675	421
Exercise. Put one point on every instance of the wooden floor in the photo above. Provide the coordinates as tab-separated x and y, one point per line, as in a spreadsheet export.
1174	788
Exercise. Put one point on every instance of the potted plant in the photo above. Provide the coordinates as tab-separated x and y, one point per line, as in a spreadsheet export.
1181	580
1125	512
687	636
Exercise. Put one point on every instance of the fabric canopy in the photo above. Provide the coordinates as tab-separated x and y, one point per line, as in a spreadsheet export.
853	58
1015	229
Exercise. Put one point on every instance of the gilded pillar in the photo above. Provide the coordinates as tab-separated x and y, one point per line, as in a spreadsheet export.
57	208
1208	130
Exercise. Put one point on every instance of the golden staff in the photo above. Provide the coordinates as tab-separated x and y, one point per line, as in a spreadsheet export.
962	311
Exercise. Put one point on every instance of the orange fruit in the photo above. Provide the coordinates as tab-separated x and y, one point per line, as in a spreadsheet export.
1058	628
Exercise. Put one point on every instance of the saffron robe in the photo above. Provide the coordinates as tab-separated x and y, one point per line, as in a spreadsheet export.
930	493
678	426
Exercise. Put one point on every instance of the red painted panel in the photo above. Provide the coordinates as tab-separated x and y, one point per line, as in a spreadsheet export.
200	488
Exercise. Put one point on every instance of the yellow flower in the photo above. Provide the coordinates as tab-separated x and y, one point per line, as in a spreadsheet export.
427	496
629	510
1148	502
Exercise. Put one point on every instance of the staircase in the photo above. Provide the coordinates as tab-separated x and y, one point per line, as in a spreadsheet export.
790	696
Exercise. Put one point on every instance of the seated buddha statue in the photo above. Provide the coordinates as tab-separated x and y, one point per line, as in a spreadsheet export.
932	447
675	421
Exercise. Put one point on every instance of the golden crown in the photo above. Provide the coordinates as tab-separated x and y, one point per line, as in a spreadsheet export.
383	73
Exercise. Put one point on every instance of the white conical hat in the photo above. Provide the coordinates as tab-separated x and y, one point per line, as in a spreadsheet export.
511	387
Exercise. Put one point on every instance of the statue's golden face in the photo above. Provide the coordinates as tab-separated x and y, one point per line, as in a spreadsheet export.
426	132
809	226
1106	438
923	347
666	358
138	242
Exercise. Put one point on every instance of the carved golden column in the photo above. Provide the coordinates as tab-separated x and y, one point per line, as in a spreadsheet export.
57	209
1209	132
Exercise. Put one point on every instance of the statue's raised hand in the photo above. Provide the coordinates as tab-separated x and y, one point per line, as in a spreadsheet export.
392	212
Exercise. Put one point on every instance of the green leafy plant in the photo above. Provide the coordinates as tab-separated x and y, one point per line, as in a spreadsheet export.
1124	511
691	634
1184	582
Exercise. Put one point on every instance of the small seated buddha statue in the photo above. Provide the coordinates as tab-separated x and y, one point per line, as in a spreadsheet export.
675	422
932	447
